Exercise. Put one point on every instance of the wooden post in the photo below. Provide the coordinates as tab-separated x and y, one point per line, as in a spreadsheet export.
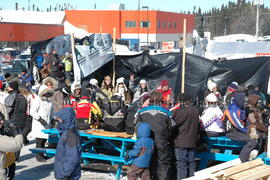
184	58
76	68
114	50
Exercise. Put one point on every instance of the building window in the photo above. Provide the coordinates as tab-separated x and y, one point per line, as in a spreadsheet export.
145	24
158	24
130	24
174	24
169	24
164	24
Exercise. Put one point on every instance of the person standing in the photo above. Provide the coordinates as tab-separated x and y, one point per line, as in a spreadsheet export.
68	151
42	113
160	122
167	93
187	122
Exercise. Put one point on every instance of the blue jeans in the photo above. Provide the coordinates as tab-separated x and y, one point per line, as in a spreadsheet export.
185	161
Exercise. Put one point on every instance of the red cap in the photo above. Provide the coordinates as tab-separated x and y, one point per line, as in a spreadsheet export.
164	83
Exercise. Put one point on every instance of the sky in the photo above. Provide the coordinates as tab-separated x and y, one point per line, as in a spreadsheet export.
163	5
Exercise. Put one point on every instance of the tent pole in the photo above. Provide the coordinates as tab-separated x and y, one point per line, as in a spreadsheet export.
268	141
114	50
76	68
184	58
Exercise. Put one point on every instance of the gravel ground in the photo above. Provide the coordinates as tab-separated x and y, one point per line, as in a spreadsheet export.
29	169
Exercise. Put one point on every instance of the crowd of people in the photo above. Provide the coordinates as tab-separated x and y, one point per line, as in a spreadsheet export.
168	128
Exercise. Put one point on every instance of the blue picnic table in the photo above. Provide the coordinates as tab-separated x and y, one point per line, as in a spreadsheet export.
227	150
89	148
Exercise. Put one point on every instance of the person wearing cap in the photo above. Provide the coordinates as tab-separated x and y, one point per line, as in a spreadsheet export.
67	61
42	113
187	121
88	114
231	90
26	79
143	88
75	94
96	93
67	164
167	93
107	87
211	118
237	129
122	90
16	106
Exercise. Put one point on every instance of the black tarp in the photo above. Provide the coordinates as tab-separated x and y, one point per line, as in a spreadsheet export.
155	68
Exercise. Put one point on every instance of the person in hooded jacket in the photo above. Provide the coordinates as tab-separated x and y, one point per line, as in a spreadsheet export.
122	90
143	88
42	113
141	154
237	127
68	151
115	114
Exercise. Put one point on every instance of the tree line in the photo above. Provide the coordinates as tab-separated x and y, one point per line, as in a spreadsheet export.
232	18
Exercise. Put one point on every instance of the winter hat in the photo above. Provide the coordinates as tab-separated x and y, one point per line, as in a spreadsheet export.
253	99
211	98
67	54
120	80
232	88
143	81
239	99
94	82
74	87
14	85
164	83
235	83
211	84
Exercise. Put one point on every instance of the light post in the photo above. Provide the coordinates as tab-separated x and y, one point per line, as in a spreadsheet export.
146	7
258	3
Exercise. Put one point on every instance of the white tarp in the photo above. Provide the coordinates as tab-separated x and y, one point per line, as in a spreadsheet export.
78	32
96	54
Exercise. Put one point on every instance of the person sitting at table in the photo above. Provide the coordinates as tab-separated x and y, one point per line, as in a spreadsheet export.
88	114
141	154
115	114
68	152
211	118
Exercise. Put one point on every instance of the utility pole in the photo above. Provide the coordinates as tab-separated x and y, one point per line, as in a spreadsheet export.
139	6
258	3
28	5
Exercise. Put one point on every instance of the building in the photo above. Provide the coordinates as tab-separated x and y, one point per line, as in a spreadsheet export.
135	26
138	27
22	27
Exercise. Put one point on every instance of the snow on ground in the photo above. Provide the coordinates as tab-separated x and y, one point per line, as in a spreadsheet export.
29	169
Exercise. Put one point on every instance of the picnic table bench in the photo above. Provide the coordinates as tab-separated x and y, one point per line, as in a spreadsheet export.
227	150
89	149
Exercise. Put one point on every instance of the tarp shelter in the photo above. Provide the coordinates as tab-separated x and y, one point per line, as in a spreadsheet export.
198	70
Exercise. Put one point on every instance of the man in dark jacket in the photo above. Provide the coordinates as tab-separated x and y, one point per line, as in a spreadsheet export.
187	121
141	153
16	106
160	122
68	152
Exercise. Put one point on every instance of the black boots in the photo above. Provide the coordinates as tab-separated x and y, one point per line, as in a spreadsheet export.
40	157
